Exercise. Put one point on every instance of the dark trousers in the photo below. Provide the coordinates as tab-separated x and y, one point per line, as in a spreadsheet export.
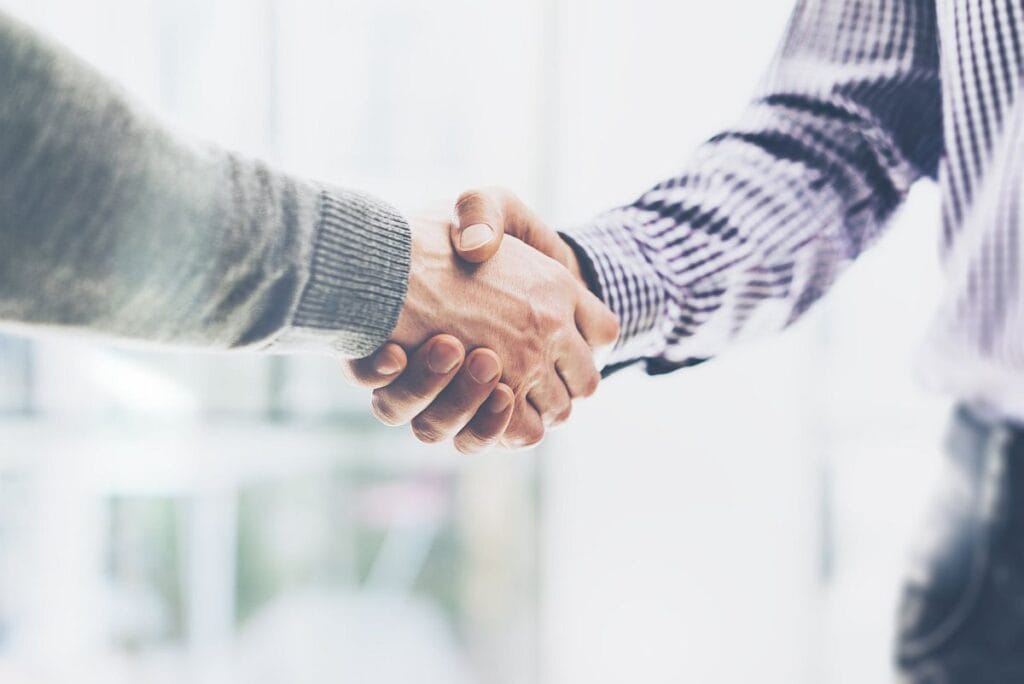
962	614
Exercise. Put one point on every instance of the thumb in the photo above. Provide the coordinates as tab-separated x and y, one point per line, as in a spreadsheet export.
483	217
478	224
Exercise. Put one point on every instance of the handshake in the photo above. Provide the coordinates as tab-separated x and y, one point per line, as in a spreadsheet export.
524	311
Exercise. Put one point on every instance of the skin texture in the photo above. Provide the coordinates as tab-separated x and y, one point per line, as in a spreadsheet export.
537	336
475	419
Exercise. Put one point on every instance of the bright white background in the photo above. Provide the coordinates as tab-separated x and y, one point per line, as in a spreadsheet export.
742	521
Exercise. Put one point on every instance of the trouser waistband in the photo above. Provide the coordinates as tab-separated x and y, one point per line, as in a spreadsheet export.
977	432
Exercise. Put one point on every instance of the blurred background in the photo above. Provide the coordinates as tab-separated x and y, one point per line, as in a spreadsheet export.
170	518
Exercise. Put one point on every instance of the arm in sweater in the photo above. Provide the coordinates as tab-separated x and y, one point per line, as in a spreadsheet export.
111	225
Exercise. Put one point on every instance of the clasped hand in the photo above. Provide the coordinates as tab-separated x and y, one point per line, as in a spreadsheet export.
517	301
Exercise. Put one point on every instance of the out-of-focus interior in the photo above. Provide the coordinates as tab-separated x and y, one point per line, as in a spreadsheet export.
171	517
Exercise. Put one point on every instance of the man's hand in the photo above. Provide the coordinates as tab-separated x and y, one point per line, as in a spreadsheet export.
522	304
491	213
464	400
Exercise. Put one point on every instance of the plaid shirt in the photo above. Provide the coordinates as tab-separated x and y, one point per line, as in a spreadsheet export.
864	98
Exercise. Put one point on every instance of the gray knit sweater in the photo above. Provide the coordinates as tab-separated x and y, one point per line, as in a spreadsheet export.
110	224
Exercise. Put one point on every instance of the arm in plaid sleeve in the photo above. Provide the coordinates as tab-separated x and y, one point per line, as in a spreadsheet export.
759	224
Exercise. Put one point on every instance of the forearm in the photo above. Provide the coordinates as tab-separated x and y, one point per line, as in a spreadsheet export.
688	278
111	225
767	214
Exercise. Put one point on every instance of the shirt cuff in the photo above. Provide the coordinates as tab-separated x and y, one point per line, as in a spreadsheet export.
359	274
620	274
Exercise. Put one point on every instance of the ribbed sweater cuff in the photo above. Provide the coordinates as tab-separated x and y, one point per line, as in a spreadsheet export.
359	272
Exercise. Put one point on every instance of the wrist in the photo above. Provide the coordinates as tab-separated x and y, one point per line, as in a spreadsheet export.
356	239
433	273
582	267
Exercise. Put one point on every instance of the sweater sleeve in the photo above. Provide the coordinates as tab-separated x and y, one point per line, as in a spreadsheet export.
111	225
768	212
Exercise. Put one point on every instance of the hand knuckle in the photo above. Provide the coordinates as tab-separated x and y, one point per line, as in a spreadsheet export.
464	447
530	312
553	320
558	415
384	410
427	430
479	438
533	439
469	445
614	327
528	436
544	321
423	394
468	200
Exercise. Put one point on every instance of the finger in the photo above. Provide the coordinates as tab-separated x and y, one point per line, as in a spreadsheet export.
428	373
522	223
478	225
457	404
505	214
487	426
378	369
597	323
526	427
552	400
577	369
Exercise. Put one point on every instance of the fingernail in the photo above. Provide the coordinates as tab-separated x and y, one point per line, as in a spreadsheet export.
483	368
476	235
443	358
499	401
387	365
